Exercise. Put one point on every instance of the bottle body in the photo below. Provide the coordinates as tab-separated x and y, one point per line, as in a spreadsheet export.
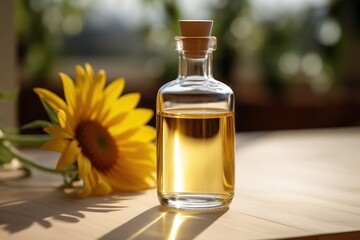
196	160
195	139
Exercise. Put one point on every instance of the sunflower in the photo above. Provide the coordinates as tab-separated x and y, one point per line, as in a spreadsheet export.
104	135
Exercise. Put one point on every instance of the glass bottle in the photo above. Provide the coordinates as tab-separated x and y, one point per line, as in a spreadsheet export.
195	128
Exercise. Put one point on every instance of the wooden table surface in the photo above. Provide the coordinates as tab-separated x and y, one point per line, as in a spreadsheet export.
289	184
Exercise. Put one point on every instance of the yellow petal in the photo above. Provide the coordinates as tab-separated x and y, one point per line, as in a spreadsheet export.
140	162
84	92
123	104
100	83
114	89
131	168
115	121
96	184
127	102
86	109
98	113
120	182
69	156
144	134
101	77
62	117
135	118
81	90
56	144
86	191
84	166
80	76
125	135
97	93
103	186
79	108
69	91
89	72
66	123
87	93
51	98
138	150
134	182
57	132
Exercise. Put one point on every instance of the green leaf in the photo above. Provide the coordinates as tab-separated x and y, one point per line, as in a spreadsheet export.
51	112
36	124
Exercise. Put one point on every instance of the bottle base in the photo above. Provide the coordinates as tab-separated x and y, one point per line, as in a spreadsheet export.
186	201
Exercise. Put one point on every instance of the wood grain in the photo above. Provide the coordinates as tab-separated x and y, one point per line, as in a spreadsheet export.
289	184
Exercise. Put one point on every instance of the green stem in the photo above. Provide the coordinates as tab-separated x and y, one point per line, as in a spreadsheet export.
27	140
30	163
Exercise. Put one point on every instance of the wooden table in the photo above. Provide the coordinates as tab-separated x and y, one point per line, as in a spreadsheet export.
289	184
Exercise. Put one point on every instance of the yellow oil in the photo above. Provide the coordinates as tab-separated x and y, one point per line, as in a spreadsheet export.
195	154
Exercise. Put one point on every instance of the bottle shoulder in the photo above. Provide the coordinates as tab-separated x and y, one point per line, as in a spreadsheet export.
195	85
195	95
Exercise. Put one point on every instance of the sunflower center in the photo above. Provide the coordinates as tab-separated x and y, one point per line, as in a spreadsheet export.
97	144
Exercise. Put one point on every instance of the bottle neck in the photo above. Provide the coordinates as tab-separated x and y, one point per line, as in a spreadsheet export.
200	67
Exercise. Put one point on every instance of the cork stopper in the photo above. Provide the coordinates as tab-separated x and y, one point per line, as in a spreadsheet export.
195	40
194	28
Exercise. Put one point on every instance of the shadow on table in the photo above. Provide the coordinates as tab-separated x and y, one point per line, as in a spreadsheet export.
16	216
161	223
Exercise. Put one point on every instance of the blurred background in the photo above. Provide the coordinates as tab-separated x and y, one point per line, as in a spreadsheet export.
292	64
